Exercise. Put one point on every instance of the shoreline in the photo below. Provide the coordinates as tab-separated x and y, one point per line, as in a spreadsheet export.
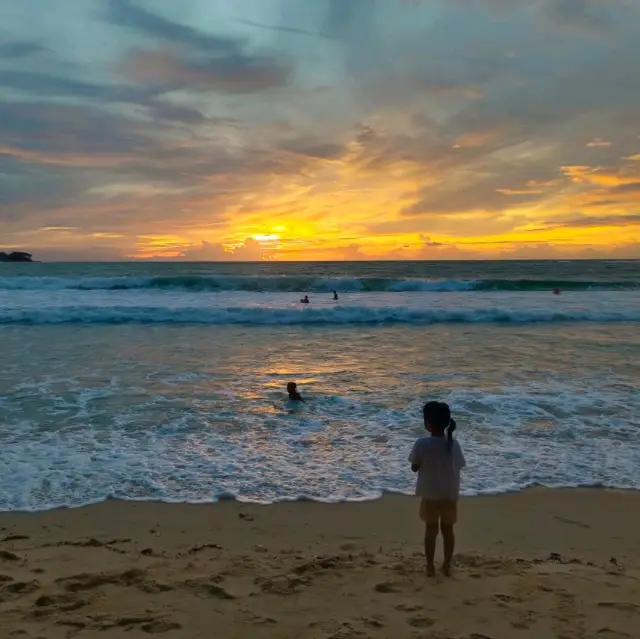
387	494
534	563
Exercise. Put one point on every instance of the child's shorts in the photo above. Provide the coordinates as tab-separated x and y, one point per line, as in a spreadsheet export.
439	511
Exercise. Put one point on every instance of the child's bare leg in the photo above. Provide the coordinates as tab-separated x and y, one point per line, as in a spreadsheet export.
449	543
430	537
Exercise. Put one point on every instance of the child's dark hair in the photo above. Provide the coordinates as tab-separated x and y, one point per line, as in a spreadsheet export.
438	416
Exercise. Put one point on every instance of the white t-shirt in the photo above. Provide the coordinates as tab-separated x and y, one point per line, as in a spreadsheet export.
439	474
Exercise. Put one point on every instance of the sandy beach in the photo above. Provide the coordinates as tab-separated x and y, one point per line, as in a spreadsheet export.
541	563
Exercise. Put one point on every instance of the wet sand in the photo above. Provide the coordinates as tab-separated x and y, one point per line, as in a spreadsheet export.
541	563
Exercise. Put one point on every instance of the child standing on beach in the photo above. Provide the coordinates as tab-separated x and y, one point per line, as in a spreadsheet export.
438	460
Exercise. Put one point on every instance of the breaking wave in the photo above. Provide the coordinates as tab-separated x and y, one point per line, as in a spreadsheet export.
290	284
342	315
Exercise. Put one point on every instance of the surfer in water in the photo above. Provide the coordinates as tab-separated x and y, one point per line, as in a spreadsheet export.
335	296
304	300
294	395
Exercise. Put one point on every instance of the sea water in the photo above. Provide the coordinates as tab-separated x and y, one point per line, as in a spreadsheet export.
166	381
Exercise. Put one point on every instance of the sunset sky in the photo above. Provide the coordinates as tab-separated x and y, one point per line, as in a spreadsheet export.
320	129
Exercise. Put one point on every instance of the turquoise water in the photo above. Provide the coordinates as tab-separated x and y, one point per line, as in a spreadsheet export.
166	381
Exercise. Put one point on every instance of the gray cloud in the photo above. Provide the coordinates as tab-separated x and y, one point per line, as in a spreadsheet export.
311	148
197	60
172	70
20	49
591	16
49	85
632	187
125	13
590	221
163	111
76	130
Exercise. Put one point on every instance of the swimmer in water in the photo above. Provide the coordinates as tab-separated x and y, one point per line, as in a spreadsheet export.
335	296
294	395
556	291
304	300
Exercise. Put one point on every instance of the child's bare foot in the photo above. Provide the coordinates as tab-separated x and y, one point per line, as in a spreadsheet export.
446	570
431	571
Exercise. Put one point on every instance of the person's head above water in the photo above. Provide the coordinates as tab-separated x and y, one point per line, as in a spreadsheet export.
305	299
292	389
437	420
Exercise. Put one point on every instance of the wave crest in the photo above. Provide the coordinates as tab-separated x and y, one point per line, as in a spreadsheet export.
294	316
300	284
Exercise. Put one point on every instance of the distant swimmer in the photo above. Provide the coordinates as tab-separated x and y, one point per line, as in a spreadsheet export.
556	291
292	389
304	300
335	296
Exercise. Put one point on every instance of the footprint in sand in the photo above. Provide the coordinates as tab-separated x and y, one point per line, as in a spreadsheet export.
263	621
407	607
49	604
208	589
608	633
15	538
282	585
373	622
388	587
150	625
421	622
625	606
16	589
156	627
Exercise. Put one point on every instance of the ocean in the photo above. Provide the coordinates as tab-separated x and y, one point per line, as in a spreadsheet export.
166	381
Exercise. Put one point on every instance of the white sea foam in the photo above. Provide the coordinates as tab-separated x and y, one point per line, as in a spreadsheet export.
311	459
194	415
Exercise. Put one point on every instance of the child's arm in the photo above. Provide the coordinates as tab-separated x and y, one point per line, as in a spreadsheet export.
414	458
460	460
